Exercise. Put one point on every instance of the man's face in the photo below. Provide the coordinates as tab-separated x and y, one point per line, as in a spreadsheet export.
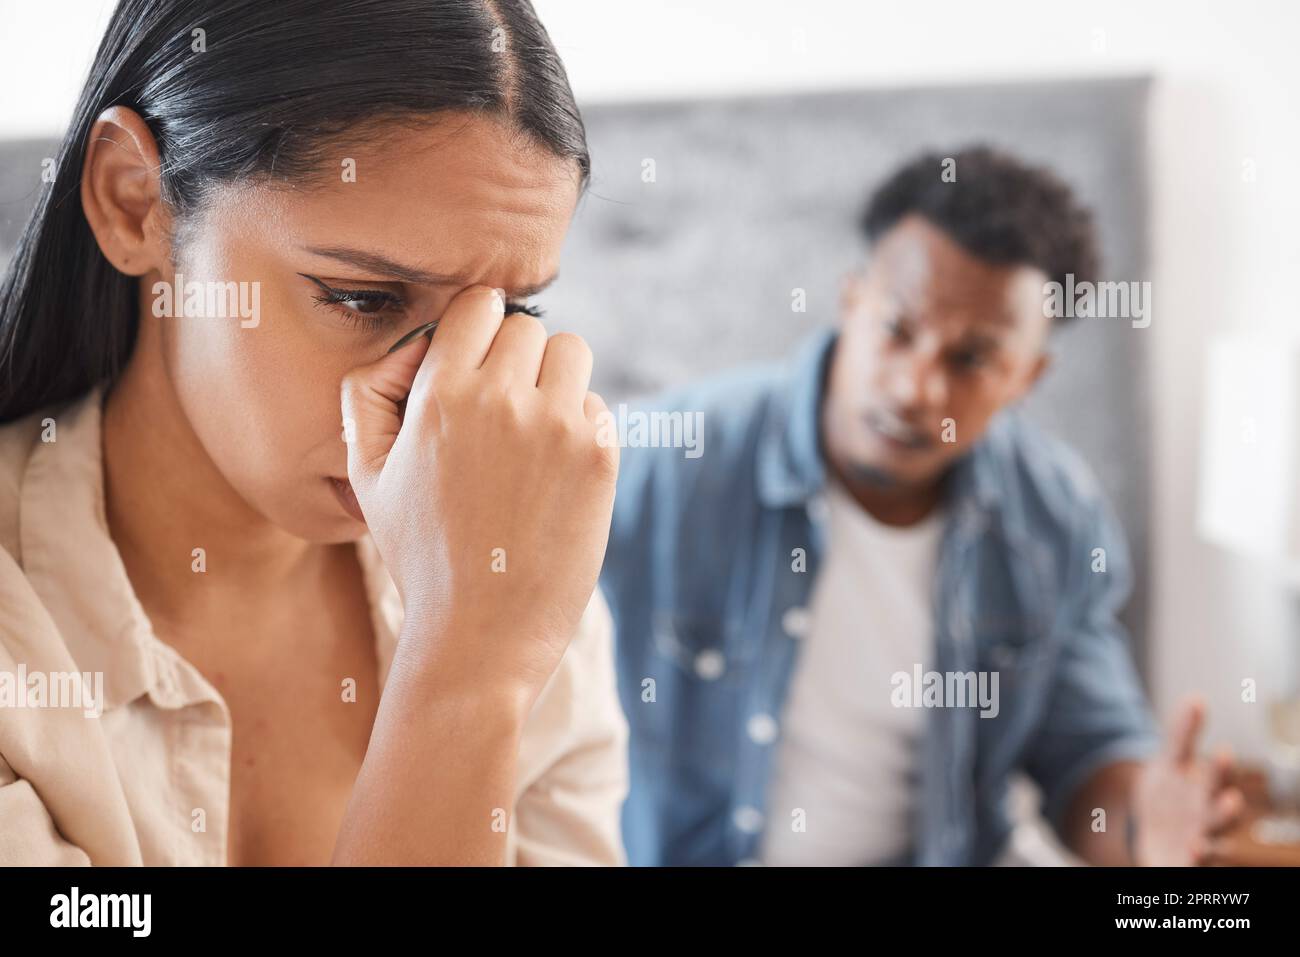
934	342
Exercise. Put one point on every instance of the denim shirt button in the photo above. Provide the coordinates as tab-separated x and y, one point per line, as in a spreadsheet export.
762	728
709	665
748	819
795	621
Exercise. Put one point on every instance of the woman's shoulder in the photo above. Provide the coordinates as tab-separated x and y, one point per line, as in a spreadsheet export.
28	633
17	441
69	427
18	601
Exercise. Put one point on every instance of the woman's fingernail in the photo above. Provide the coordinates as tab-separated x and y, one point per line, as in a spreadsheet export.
499	301
426	329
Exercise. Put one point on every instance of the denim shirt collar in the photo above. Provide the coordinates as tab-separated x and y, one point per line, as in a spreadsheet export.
790	465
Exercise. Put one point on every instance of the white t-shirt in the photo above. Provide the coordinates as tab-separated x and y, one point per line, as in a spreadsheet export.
847	759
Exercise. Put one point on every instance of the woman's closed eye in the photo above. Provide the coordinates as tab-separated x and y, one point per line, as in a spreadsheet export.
375	308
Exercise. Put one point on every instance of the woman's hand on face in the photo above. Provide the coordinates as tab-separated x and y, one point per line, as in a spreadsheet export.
489	497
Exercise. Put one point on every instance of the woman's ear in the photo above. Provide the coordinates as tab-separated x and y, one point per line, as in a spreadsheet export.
121	195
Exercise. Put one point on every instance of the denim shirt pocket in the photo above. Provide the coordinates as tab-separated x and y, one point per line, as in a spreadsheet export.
1014	646
699	678
707	646
1019	653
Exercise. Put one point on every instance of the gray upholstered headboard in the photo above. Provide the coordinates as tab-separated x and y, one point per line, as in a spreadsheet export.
755	197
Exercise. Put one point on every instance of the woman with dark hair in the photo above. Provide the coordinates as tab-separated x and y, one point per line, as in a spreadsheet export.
284	581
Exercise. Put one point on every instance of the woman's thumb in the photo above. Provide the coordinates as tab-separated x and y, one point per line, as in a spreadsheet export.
372	409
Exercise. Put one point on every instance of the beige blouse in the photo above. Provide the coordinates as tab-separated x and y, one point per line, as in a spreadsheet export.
116	780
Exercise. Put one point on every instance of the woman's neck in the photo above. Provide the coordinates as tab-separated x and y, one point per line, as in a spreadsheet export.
165	498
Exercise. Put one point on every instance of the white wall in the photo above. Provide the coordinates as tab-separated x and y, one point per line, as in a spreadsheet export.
1225	250
47	51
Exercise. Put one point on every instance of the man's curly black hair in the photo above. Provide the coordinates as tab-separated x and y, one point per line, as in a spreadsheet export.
999	209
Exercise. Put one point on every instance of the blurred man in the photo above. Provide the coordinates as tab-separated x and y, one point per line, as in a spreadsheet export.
879	592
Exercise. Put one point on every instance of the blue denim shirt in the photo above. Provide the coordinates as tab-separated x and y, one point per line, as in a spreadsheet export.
709	597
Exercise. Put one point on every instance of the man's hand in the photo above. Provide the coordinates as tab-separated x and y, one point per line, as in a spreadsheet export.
1182	801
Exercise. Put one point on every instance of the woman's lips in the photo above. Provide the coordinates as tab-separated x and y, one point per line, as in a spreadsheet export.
347	498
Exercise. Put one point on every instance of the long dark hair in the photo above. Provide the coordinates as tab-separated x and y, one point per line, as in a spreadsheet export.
277	84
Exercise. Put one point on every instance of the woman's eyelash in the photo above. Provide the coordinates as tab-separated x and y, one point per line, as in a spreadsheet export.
387	301
358	295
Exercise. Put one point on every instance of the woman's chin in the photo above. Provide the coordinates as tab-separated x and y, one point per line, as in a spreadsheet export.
323	522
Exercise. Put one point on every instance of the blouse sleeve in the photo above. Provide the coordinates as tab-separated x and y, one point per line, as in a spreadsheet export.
569	814
60	800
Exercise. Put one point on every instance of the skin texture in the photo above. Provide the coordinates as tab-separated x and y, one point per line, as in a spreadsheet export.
932	333
226	436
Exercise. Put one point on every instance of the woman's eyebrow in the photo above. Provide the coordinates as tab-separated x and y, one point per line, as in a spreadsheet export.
396	272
